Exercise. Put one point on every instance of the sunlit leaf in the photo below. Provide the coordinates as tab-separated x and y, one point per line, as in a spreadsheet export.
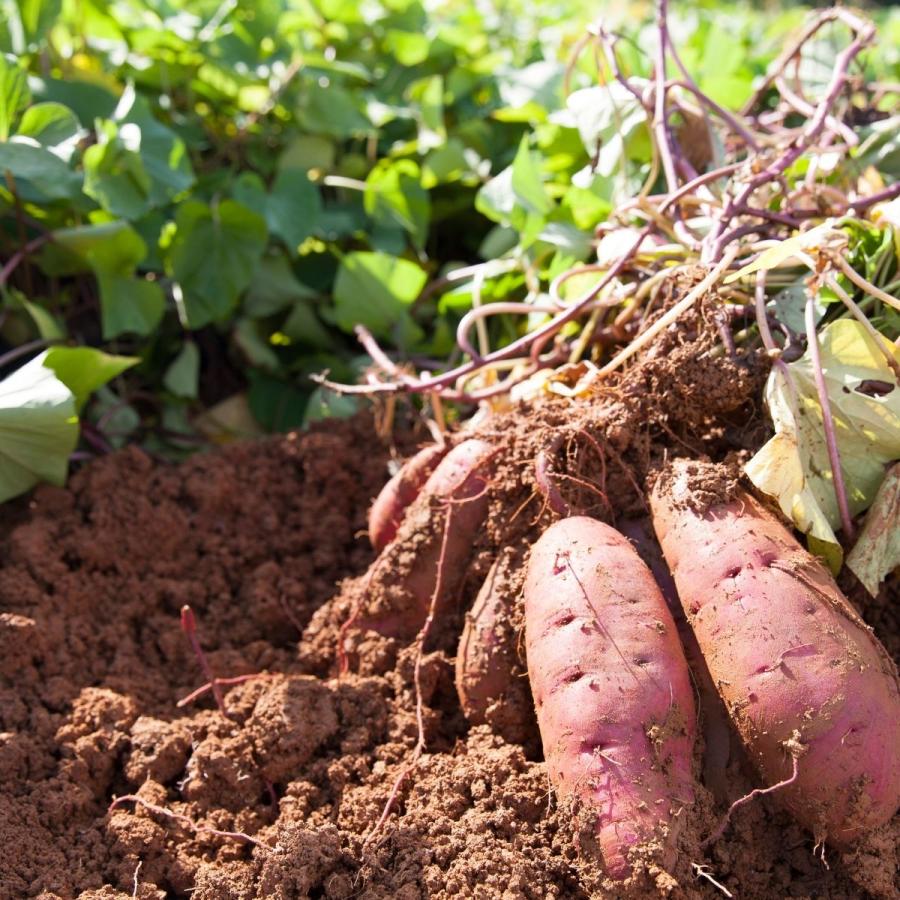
783	251
14	94
394	195
38	428
84	369
375	290
794	466
53	126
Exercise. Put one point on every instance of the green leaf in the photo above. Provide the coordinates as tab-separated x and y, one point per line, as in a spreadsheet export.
250	190
129	305
308	151
326	404
88	101
183	375
303	327
112	250
612	124
527	183
83	369
794	466
38	428
276	404
108	247
49	328
213	256
877	550
53	126
274	287
428	96
164	155
38	17
14	94
394	196
444	164
496	199
258	351
375	290
408	47
293	208
39	175
114	173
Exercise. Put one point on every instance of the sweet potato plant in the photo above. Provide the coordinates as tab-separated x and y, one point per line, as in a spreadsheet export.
660	411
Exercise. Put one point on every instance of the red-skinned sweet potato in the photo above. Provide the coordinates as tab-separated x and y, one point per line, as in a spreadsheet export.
490	678
389	507
454	499
612	691
789	655
714	725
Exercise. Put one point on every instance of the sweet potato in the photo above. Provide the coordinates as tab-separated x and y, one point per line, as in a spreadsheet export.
714	724
489	676
795	664
453	499
389	507
612	691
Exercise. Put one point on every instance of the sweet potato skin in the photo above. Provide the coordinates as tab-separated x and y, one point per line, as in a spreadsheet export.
389	507
611	688
490	678
788	654
405	574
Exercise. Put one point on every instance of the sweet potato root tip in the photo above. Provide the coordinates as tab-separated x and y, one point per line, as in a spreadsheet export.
788	653
389	507
612	691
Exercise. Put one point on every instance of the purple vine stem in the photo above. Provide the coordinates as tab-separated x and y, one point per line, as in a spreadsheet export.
834	456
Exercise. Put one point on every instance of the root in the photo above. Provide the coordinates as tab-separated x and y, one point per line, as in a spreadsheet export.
702	871
214	684
421	638
343	662
543	476
188	822
756	792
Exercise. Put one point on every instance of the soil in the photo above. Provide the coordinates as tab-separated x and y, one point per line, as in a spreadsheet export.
276	799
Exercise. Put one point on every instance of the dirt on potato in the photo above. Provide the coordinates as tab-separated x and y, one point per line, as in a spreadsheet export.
281	797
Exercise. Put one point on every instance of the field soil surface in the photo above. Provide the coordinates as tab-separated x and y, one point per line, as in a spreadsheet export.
256	538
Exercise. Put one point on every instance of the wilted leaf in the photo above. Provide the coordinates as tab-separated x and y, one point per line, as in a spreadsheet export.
38	428
783	251
794	467
877	550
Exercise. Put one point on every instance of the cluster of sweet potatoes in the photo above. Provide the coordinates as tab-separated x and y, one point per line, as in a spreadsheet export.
812	694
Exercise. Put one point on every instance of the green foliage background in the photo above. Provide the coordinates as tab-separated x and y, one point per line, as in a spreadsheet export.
221	190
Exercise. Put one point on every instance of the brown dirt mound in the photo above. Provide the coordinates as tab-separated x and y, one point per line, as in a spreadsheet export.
256	538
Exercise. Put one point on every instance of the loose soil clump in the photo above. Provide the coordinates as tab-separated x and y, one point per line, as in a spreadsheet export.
266	543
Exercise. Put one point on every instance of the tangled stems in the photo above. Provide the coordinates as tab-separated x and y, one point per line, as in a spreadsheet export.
717	218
